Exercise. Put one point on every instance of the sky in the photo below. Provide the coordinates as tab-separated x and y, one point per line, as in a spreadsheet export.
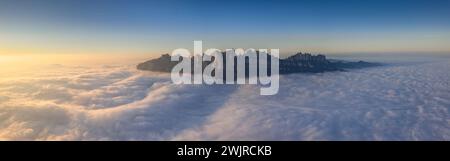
157	27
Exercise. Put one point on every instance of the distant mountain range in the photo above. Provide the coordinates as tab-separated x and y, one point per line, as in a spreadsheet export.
298	63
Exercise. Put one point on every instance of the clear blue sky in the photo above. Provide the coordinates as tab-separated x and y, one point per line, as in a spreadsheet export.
127	26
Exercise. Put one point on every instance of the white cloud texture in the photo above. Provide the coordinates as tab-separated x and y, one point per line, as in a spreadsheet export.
396	102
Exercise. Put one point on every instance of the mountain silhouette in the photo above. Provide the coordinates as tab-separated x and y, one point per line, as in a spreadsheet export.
298	63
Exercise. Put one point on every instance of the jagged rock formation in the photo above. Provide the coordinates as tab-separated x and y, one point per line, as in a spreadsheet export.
298	63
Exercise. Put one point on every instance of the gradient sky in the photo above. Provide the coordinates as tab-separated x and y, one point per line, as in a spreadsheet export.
155	27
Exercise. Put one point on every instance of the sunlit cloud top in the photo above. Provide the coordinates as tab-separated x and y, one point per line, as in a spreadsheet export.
155	27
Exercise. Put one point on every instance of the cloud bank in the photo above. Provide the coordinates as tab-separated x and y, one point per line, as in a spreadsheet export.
397	102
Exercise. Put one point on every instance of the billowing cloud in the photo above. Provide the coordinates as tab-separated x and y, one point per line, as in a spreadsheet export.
397	102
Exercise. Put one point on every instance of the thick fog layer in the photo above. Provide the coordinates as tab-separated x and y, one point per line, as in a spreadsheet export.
394	102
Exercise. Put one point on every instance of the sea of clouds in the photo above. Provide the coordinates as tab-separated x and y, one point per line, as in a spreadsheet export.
404	101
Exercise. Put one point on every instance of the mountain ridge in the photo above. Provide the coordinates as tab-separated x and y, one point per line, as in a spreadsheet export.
297	63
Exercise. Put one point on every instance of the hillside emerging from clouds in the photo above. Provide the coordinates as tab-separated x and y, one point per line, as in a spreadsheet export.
298	63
